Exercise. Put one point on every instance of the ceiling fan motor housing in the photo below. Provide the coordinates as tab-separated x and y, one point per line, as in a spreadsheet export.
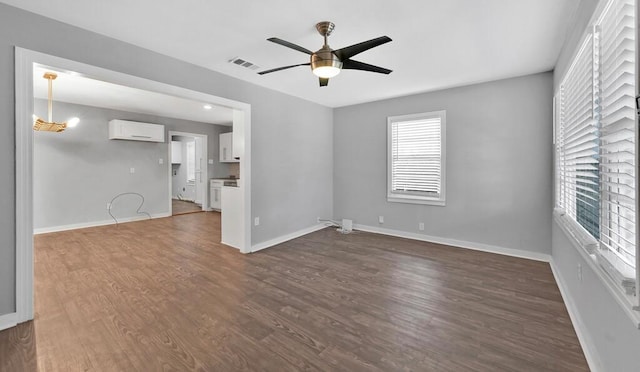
324	57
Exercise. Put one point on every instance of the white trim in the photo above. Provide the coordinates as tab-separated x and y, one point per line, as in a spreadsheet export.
637	183
24	184
8	320
413	199
625	302
457	243
397	197
245	172
83	225
584	338
24	62
284	238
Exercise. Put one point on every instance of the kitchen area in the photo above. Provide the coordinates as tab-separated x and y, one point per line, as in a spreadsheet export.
231	191
215	172
216	184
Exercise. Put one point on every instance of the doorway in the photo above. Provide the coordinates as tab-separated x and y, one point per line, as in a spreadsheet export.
25	60
187	172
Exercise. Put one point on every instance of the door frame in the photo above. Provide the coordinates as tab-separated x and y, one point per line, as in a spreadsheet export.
204	174
25	59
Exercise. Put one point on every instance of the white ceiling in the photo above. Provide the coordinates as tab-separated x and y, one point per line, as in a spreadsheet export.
436	43
73	88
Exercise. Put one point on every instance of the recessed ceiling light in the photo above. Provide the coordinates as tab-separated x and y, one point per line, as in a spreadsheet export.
208	107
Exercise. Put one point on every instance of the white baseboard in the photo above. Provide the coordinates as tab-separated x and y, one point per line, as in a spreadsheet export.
457	243
284	238
583	336
8	320
230	245
83	225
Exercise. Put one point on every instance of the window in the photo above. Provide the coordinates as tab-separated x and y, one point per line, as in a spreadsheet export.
596	141
416	153
191	161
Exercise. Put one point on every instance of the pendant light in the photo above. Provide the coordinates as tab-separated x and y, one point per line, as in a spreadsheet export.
50	125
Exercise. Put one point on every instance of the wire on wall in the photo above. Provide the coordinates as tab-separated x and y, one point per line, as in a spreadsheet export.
137	210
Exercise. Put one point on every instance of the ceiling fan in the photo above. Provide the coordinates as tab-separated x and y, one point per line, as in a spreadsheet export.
326	62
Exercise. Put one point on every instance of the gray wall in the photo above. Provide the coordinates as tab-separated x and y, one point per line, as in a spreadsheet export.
498	159
615	341
291	138
78	171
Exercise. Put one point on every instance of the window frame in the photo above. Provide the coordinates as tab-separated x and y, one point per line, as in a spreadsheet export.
396	197
577	235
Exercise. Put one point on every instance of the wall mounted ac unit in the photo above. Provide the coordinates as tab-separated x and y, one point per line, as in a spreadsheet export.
135	131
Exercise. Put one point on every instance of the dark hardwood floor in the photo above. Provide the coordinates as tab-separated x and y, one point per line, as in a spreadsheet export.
163	295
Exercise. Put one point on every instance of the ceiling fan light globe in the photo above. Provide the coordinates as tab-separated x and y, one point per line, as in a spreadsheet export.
326	72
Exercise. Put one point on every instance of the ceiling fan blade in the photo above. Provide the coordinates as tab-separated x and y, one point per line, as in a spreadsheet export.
350	64
290	45
324	82
282	68
350	51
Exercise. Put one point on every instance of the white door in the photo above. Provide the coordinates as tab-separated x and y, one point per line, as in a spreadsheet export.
199	163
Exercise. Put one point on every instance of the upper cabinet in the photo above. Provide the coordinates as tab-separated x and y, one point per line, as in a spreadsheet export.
226	148
238	134
176	152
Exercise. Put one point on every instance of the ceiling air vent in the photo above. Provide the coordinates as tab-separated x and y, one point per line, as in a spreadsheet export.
246	64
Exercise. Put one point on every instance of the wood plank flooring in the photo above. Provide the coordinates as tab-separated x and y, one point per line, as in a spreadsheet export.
162	295
183	207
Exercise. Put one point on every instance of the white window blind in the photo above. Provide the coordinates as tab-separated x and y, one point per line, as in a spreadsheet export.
579	151
615	33
416	157
595	140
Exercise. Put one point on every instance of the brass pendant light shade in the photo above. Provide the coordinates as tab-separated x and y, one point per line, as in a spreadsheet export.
50	125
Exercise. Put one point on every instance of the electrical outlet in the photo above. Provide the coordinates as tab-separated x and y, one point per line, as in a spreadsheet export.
132	170
161	161
380	219
256	221
421	226
108	205
210	161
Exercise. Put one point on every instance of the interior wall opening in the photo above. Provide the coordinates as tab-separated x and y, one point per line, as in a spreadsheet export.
150	152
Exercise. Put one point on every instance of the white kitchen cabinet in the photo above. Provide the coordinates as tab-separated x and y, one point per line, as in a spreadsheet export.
215	194
176	152
226	148
232	223
238	134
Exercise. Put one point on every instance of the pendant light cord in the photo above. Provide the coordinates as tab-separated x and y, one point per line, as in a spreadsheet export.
50	99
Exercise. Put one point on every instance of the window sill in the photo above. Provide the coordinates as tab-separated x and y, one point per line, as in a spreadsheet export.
415	200
628	303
